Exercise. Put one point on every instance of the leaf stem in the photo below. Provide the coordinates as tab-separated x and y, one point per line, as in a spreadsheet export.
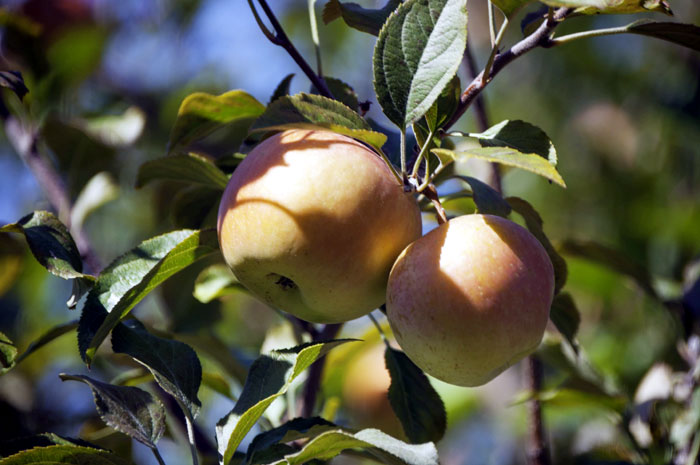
280	38
494	51
586	34
423	151
492	23
379	329
539	38
402	148
391	167
189	422
314	36
158	456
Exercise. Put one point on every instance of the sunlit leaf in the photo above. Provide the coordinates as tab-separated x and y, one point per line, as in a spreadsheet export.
116	130
174	364
100	189
189	168
414	400
132	276
534	223
416	55
127	409
316	112
8	354
64	454
613	6
519	135
215	281
389	450
200	114
268	378
357	17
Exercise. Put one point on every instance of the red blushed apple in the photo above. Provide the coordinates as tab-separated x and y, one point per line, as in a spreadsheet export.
311	223
470	298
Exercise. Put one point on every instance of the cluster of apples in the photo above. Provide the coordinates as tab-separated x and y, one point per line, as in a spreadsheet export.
315	224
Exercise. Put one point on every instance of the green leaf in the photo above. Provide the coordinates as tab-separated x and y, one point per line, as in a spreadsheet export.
215	281
100	189
534	223
13	446
416	55
132	276
63	454
116	130
566	317
269	446
314	112
49	336
127	409
195	207
11	258
414	400
174	364
190	168
519	135
282	88
389	450
13	80
363	19
686	35
51	243
268	378
200	114
8	354
613	6
511	7
487	199
612	259
342	92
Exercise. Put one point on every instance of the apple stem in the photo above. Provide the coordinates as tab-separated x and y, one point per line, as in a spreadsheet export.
313	382
431	194
379	329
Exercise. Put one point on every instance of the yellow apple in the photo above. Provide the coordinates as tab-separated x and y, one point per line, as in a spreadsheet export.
311	223
470	298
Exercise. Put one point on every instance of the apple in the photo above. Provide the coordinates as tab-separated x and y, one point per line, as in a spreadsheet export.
311	223
470	298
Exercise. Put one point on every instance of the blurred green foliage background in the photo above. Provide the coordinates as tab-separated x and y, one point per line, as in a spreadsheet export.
106	79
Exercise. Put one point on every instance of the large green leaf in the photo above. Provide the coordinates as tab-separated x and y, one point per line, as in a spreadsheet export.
519	135
127	409
190	168
200	114
357	17
417	53
534	223
314	112
613	6
50	242
388	449
414	400
686	35
8	354
132	276
268	378
64	454
174	364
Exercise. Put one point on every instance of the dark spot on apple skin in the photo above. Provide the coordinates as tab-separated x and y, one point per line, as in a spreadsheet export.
283	281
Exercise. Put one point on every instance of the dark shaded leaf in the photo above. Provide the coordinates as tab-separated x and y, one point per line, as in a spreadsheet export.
343	92
132	276
50	243
8	354
314	112
414	400
14	446
488	200
686	35
13	80
127	409
50	335
534	223
268	378
200	114
387	449
269	446
519	135
63	454
416	55
566	317
189	168
363	19
613	259
282	88
174	364
195	207
511	7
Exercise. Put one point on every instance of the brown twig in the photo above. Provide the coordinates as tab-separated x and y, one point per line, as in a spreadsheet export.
313	382
539	38
25	139
537	450
280	38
